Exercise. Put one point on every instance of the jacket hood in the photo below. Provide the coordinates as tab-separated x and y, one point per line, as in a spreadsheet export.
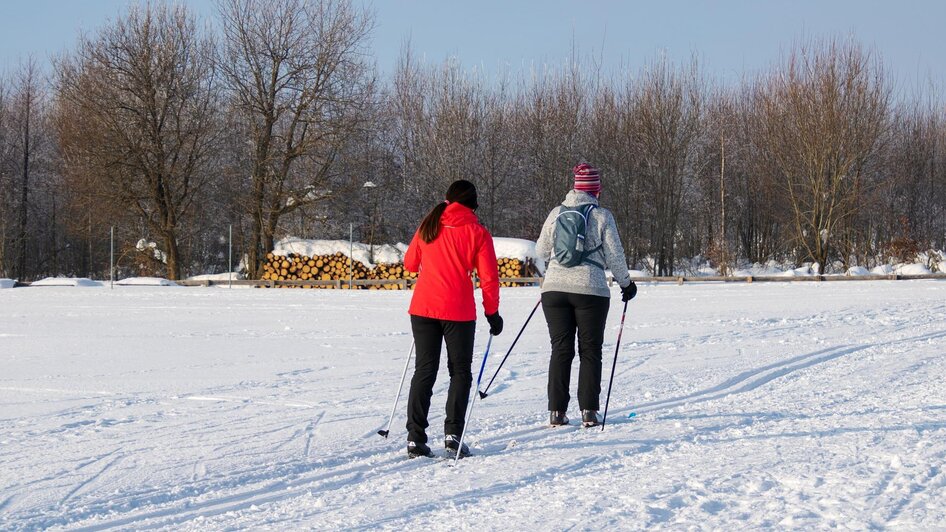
576	198
458	215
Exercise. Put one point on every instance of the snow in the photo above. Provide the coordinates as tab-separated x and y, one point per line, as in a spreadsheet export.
236	276
67	281
145	281
759	406
517	248
912	269
144	245
513	248
383	253
857	271
7	283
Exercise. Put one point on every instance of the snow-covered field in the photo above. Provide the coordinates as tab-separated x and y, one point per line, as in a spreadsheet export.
802	405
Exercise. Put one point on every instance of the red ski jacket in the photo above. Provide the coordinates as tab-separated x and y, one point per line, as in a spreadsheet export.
444	289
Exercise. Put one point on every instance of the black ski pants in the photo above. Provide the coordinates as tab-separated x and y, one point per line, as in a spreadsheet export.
429	336
567	314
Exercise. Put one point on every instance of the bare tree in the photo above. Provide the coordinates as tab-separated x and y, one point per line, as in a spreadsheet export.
140	98
6	203
552	125
667	113
22	141
299	75
824	112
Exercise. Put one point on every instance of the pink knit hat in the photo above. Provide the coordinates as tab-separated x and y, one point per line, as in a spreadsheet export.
587	179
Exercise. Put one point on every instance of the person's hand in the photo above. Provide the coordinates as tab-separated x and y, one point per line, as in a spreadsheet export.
495	323
628	292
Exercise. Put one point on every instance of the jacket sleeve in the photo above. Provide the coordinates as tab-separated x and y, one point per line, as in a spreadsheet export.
543	247
613	250
488	272
412	255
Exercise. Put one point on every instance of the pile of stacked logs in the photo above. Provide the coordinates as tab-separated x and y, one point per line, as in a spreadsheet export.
295	267
389	272
512	268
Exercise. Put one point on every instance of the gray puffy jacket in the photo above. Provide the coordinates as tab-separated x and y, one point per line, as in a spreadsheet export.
585	278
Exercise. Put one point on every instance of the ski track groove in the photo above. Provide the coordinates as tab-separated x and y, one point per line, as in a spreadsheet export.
310	433
776	369
91	479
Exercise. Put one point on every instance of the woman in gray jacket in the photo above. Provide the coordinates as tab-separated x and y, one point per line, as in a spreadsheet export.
575	293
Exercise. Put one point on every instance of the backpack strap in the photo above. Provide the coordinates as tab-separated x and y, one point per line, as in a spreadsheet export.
586	212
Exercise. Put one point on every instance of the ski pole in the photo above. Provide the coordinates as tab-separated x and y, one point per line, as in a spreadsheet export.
469	413
385	432
614	365
483	394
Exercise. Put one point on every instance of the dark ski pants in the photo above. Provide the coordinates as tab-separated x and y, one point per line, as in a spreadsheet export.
429	335
567	314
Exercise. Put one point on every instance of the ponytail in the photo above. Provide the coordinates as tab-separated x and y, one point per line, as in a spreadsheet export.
460	191
430	227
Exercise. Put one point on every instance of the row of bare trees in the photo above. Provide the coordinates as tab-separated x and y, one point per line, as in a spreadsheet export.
277	123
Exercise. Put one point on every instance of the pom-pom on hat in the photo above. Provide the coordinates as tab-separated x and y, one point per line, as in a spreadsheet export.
587	179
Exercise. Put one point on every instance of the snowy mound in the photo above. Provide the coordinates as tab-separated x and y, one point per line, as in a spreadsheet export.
236	276
884	269
517	248
637	274
912	269
510	248
145	281
857	271
383	253
804	271
66	281
7	283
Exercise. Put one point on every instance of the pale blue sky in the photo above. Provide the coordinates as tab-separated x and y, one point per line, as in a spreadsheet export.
730	36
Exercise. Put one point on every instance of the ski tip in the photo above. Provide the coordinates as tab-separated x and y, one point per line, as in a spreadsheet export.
383	433
482	395
632	414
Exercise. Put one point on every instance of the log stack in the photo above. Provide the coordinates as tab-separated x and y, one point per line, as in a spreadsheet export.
512	268
389	272
295	267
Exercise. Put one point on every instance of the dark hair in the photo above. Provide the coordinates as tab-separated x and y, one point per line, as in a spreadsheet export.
462	192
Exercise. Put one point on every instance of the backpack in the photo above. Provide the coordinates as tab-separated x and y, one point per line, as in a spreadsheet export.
568	237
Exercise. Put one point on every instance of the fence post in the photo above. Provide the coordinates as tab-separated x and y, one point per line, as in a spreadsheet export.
230	259
351	253
111	258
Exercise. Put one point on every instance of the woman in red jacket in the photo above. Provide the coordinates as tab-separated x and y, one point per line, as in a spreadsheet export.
447	247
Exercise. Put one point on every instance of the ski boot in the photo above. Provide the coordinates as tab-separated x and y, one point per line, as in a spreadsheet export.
589	418
557	418
416	449
451	443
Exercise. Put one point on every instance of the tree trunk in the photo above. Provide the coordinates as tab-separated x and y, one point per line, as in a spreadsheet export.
24	189
173	256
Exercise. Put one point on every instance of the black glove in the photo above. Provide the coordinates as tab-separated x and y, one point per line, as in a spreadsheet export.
495	323
628	292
